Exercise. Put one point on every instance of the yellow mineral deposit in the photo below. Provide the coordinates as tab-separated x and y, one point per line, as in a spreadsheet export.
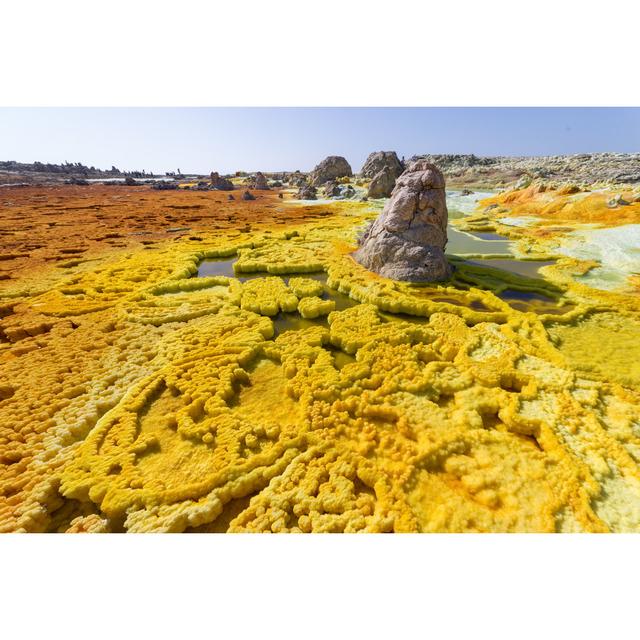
302	393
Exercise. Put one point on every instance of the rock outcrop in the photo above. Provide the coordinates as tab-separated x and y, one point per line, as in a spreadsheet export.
260	182
382	168
617	201
330	168
219	183
347	192
307	192
339	191
379	160
247	195
331	189
407	240
296	179
164	186
382	184
587	168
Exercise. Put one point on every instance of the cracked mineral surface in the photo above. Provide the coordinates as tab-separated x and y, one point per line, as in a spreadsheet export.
289	389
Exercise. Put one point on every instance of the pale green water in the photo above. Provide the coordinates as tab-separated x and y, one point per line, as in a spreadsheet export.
294	322
463	243
459	204
617	249
530	301
489	236
527	268
224	267
216	267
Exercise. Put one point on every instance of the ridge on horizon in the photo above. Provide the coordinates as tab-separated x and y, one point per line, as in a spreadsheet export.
67	168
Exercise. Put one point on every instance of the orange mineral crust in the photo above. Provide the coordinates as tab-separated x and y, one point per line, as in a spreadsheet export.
62	225
569	203
179	361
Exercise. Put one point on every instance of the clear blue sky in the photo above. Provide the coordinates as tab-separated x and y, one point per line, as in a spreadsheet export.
271	139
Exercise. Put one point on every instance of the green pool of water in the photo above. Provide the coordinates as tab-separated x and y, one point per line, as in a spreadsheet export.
216	267
342	300
460	242
489	236
224	267
295	322
527	268
533	301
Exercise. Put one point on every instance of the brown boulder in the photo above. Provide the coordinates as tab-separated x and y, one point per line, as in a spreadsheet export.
219	183
260	182
307	192
330	168
331	189
379	160
382	184
407	240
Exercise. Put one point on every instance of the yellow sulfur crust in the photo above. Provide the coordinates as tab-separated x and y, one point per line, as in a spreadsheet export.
137	397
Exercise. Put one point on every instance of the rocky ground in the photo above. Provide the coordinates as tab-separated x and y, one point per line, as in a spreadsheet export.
12	173
588	168
459	170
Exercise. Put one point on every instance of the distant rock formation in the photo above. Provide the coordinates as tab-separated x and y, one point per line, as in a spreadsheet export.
339	191
307	192
330	168
379	160
164	186
588	168
347	192
260	182
76	169
331	189
296	179
407	240
382	168
219	183
382	183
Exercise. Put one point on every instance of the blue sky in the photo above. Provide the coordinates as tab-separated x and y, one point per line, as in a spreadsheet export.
271	139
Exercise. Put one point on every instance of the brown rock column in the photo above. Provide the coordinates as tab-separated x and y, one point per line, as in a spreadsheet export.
407	240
